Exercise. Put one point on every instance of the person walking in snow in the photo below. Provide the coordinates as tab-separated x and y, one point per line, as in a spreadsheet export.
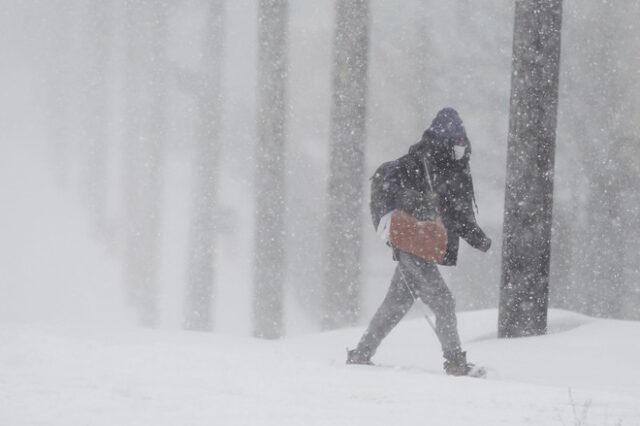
440	161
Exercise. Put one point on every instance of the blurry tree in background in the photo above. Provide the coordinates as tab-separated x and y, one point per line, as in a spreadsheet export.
604	251
268	294
343	234
95	121
526	246
59	80
205	84
597	263
146	107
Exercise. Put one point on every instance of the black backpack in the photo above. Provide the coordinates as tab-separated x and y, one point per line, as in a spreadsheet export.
386	183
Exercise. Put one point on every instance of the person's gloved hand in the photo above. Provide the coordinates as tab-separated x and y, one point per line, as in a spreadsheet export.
485	244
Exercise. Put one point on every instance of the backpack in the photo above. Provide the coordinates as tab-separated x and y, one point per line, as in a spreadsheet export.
386	183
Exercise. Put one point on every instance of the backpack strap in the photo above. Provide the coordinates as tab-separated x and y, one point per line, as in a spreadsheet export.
427	174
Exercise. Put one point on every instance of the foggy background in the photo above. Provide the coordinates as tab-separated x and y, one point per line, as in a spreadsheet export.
95	220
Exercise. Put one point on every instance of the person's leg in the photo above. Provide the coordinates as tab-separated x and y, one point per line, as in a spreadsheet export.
433	291
395	305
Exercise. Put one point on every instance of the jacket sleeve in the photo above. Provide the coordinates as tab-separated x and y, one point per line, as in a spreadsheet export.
458	207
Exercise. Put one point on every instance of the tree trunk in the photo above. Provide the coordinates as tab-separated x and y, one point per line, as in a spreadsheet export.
530	160
424	69
606	291
268	296
200	284
348	133
145	134
95	125
61	61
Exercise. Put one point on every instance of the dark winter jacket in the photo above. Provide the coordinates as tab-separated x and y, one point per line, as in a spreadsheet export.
452	182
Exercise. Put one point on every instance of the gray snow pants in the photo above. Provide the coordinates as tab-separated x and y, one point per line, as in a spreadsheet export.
426	283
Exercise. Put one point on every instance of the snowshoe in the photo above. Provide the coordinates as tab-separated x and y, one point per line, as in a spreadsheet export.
354	356
456	365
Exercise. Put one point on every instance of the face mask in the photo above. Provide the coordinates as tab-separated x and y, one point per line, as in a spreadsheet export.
459	151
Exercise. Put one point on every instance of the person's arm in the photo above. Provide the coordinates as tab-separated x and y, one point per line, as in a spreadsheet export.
460	210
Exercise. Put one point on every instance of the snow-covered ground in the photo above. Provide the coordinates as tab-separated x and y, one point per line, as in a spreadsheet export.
586	372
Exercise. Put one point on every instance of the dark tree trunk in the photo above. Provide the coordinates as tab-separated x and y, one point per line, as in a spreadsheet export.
530	160
268	297
200	284
348	133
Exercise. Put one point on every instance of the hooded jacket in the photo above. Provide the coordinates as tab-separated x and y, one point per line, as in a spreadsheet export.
450	179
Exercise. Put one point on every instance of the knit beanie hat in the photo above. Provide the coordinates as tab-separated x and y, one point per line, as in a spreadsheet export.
447	124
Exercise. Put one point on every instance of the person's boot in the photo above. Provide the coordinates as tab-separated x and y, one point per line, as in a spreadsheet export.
359	357
456	364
